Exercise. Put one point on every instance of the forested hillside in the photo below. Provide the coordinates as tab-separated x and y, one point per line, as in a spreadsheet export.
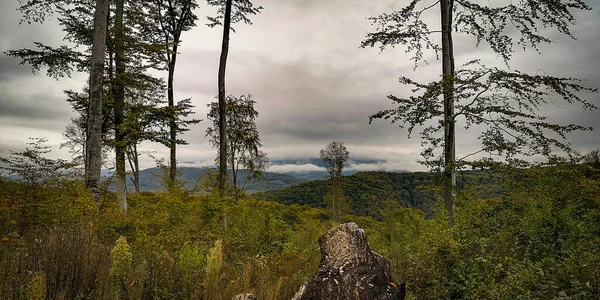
368	193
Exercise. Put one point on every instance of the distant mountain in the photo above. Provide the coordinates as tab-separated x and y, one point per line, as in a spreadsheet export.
368	192
150	180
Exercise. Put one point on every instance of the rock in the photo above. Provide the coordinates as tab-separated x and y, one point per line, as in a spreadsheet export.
349	269
244	296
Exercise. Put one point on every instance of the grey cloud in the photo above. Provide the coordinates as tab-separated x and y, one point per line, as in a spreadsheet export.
302	63
33	108
10	68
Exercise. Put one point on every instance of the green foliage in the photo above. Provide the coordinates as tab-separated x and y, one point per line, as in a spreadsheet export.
120	269
506	103
336	202
368	192
214	265
243	140
536	238
334	156
487	23
38	287
537	242
592	159
39	188
32	167
241	10
59	61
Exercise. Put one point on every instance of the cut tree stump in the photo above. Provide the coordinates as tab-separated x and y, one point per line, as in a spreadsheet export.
244	296
349	269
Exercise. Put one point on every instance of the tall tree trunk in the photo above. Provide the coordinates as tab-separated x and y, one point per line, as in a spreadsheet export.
222	103
234	176
172	124
448	90
119	106
94	147
136	168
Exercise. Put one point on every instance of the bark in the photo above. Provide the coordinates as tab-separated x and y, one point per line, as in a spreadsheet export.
119	105
94	146
349	269
172	124
234	176
175	29
222	103
234	172
244	296
448	91
136	169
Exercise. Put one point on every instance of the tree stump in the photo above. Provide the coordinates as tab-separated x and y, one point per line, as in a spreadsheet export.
349	269
244	296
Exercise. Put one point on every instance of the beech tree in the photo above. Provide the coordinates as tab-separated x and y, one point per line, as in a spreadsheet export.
61	62
334	156
243	139
241	10
119	106
222	102
505	103
130	53
166	21
94	136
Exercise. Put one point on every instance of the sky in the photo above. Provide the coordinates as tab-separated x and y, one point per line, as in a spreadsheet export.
301	61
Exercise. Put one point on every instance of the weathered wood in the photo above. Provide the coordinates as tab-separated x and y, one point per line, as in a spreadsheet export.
349	269
244	296
93	156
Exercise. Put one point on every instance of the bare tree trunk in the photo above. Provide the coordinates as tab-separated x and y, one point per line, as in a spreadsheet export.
448	90
94	147
174	29
119	107
222	103
172	125
234	175
335	200
136	169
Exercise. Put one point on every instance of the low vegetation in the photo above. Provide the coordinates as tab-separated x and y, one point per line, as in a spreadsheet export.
536	239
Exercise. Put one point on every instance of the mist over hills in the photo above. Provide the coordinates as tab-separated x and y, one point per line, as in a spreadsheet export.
308	169
281	174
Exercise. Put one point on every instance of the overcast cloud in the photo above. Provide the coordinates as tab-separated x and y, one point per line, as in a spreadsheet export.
302	63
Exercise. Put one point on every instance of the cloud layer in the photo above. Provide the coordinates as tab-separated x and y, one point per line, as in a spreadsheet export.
302	63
